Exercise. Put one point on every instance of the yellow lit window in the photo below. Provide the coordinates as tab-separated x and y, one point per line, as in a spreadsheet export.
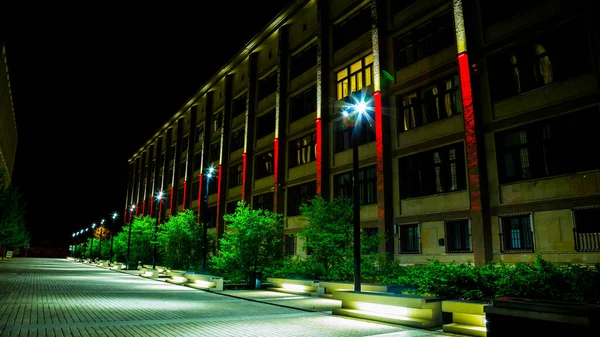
355	77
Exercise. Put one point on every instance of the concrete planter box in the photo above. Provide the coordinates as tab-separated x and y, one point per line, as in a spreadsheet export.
202	281
464	317
416	311
327	288
294	286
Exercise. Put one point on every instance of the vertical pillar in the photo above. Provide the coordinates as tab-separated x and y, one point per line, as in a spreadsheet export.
190	155
176	167
323	98
247	156
205	149
280	141
224	157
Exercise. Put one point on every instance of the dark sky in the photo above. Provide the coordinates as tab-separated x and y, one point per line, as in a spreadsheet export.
91	83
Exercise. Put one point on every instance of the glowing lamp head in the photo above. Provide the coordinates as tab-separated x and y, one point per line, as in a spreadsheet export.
114	216
159	195
93	225
210	171
102	222
132	207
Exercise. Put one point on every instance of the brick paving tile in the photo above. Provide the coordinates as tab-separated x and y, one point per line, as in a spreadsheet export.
58	297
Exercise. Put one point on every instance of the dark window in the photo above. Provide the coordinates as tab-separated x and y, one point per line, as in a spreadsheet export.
303	150
458	236
303	104
367	180
199	133
298	195
399	5
182	170
264	201
516	234
351	28
493	11
180	195
215	152
409	240
217	121
433	172
265	124
213	184
264	165
586	228
429	104
239	105
231	207
343	134
184	144
267	85
172	153
237	139
551	147
425	40
212	217
197	161
303	61
195	187
290	244
235	176
539	61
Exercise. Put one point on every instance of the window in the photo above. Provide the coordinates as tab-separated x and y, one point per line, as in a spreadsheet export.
303	61
343	134
199	133
539	61
493	11
303	104
197	161
265	124
217	121
267	85
516	234
235	176
182	170
367	180
264	201
264	165
429	104
215	152
547	148
586	228
213	184
425	40
398	6
237	139
184	144
299	194
357	76
437	171
212	217
409	240
303	150
351	28
238	106
458	236
195	190
231	207
180	195
289	244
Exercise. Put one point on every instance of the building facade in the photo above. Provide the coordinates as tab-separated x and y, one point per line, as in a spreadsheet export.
476	146
8	125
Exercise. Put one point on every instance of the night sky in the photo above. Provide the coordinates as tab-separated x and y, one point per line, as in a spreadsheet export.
91	85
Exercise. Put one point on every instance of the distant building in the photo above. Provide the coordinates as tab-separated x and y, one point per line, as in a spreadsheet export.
8	126
483	143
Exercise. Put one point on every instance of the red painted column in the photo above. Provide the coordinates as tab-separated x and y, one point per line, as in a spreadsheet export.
184	194
243	175
200	197
379	153
171	200
319	159
143	206
151	204
219	177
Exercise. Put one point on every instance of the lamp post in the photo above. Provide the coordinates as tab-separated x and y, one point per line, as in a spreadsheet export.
159	196
101	235
209	174
358	110
129	235
92	245
114	216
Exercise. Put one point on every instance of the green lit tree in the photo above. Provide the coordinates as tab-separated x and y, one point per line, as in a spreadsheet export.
13	232
180	241
253	241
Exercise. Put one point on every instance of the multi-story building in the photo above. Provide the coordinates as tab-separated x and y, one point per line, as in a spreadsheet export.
479	144
8	126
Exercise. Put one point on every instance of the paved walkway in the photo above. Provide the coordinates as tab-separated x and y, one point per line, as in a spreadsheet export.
57	297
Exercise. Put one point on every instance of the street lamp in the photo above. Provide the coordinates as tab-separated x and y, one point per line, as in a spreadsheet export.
129	235
101	235
92	245
159	197
354	112
114	216
209	175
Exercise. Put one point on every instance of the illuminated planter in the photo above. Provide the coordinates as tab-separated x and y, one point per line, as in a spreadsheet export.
176	276
416	311
149	273
294	286
468	317
327	288
206	282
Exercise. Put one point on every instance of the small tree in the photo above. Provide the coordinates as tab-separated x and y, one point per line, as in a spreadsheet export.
180	241
253	241
12	215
